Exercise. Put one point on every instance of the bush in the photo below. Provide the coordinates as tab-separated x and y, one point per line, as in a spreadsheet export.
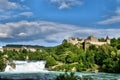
50	62
2	64
67	76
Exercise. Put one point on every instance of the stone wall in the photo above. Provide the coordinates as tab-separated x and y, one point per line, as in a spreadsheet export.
91	39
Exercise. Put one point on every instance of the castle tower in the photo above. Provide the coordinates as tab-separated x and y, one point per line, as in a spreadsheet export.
92	39
72	40
84	45
108	40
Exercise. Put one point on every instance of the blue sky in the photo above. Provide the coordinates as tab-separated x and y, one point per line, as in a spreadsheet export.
48	22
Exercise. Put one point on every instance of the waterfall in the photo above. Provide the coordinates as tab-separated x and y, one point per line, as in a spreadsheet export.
8	68
26	66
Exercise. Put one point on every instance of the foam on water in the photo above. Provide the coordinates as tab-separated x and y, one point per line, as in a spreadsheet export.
51	75
27	66
35	70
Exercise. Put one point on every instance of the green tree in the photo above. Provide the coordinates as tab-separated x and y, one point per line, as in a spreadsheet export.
2	62
50	61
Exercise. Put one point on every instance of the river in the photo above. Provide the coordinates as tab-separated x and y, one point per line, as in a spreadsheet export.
35	70
51	75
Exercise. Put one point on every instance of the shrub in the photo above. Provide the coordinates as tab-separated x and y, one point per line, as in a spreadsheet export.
67	76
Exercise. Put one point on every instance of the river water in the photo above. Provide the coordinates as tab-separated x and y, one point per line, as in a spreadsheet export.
35	70
52	75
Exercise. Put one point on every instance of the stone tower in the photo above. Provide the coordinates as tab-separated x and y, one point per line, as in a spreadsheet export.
92	39
108	40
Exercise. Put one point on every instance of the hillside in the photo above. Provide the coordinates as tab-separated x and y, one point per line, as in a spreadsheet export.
70	57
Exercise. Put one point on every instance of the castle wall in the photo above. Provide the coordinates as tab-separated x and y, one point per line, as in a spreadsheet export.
98	43
75	41
90	39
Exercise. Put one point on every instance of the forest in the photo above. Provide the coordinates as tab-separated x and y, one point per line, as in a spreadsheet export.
69	57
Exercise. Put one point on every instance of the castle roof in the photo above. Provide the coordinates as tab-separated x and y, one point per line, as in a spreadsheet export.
107	38
92	38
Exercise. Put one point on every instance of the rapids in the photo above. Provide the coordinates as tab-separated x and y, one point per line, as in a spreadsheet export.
26	66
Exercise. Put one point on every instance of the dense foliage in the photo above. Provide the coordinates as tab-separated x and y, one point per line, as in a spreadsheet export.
2	62
69	57
67	76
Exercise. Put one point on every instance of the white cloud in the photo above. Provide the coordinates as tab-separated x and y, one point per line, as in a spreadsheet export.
8	10
6	4
3	35
63	4
13	15
112	19
22	34
48	32
28	14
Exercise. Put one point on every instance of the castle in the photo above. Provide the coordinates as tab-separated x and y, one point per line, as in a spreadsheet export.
91	39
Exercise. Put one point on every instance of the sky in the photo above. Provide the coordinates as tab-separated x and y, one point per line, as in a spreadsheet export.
48	22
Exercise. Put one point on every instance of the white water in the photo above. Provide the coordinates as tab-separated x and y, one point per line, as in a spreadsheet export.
27	66
37	69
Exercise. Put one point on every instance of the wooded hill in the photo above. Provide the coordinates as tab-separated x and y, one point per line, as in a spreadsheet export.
69	57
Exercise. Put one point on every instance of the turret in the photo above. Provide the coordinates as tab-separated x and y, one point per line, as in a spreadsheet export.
108	40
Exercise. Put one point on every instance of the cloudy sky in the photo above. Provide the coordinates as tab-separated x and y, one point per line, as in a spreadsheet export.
48	22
